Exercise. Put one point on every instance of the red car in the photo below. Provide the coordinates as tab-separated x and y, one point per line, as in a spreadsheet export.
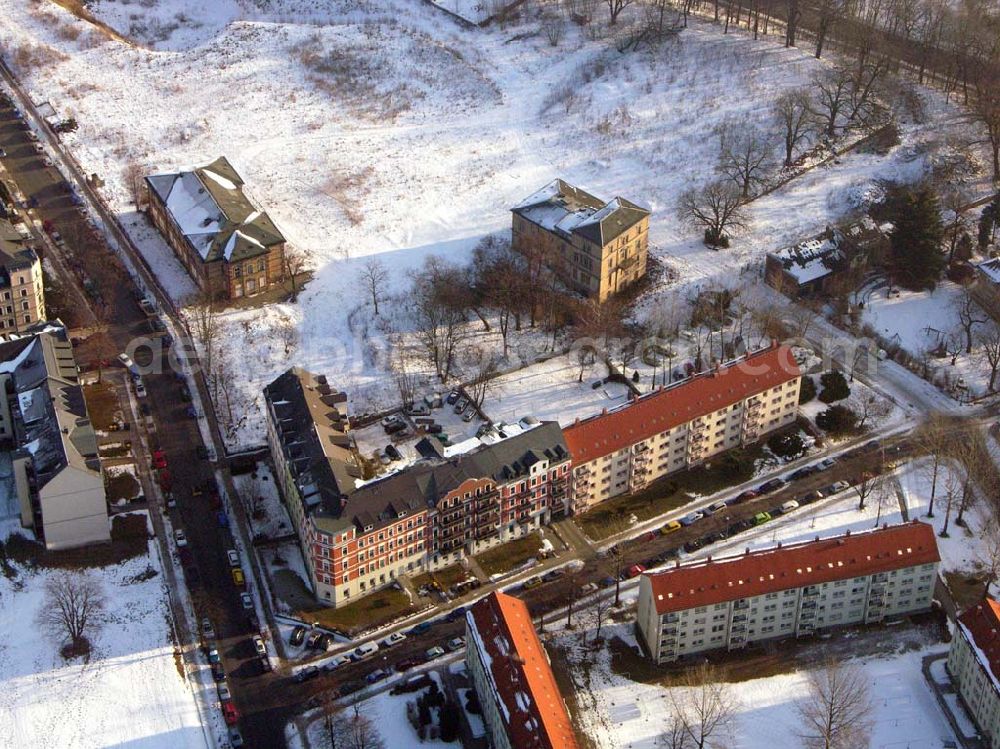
159	459
635	570
165	481
230	713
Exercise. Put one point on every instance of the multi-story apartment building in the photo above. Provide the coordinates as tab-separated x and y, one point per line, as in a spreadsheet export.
787	591
358	539
598	248
974	666
230	247
50	473
682	425
511	673
22	296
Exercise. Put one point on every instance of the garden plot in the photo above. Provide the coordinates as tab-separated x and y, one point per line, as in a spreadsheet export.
384	104
550	390
129	693
121	483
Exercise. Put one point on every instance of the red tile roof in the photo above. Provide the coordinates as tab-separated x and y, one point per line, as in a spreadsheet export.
983	624
535	713
669	407
780	568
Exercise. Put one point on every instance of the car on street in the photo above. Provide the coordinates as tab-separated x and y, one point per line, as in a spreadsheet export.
418	629
839	486
159	459
460	406
313	640
811	497
297	636
179	538
334	663
670	527
127	362
770	486
218	672
239	579
213	655
185	392
635	570
826	463
165	480
207	630
234	558
745	496
789	506
224	693
377	675
761	517
690	518
363	651
803	472
419	409
455	643
309	672
693	545
452	398
435	652
392	453
532	582
201	451
455	614
235	738
3	154
191	412
405	665
230	713
222	518
140	389
394	639
606	582
246	600
715	507
548	577
258	645
587	588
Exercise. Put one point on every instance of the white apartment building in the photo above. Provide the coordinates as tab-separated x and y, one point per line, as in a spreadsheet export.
974	665
676	427
787	591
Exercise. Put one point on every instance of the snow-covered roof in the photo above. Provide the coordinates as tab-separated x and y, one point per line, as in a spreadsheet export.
812	259
990	269
563	209
210	208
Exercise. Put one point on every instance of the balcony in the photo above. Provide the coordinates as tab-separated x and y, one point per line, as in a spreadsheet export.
583	471
640	448
741	604
753	406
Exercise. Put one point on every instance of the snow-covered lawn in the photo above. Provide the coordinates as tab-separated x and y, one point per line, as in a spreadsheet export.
623	714
402	134
550	391
272	516
129	694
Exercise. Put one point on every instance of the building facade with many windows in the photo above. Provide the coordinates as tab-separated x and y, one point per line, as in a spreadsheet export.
974	666
677	427
598	248
787	591
22	295
511	673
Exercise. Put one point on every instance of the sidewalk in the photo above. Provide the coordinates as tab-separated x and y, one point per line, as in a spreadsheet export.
940	690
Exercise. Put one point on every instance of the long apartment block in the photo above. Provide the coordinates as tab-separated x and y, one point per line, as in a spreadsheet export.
974	666
677	427
787	591
357	536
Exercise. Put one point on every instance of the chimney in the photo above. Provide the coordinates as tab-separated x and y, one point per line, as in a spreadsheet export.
848	532
709	558
747	550
604	411
576	421
779	544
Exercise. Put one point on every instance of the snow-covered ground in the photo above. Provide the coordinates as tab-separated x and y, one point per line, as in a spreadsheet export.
130	692
442	127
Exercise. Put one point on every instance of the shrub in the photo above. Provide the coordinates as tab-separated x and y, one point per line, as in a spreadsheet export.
837	420
450	721
835	387
786	445
807	391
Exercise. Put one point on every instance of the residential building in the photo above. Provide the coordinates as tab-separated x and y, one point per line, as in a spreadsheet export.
986	287
357	539
681	425
817	265
230	247
512	675
597	248
22	295
974	666
790	590
50	474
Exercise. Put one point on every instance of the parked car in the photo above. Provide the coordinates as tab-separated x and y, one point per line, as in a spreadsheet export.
258	645
635	570
811	497
185	392
312	641
839	486
455	643
455	614
399	426
309	672
393	453
419	409
191	412
770	486
213	655
394	639
224	693
789	506
532	582
418	629
745	496
461	405
218	672
470	414
247	601
363	651
452	398
587	588
201	451
390	420
140	389
690	518
693	545
435	652
334	663
377	675
761	517
670	527
180	539
207	630
222	518
826	463
606	582
715	507
159	459
551	575
405	665
166	480
230	713
235	738
297	636
234	558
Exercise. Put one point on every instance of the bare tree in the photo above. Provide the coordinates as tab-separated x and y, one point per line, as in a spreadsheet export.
294	261
829	12
705	707
135	179
553	25
986	107
717	208
793	112
615	8
837	714
868	480
361	732
832	96
440	324
969	316
989	349
934	437
957	205
600	608
486	367
744	156
74	606
988	553
872	409
205	327
373	276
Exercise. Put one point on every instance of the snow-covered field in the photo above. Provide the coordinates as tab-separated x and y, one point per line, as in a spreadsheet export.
130	692
384	129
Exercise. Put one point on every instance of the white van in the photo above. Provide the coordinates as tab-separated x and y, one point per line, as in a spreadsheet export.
789	506
363	651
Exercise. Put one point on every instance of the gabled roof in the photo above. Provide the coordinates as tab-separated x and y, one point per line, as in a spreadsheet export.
982	624
563	209
519	673
672	406
213	212
780	568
